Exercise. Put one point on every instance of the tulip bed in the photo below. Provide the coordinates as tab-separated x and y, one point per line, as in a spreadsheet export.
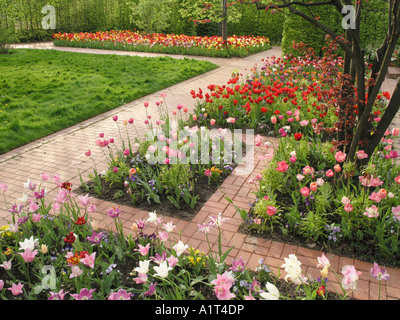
307	192
159	172
127	40
54	250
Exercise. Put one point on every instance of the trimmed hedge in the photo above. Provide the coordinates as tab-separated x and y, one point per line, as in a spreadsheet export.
299	30
258	23
373	27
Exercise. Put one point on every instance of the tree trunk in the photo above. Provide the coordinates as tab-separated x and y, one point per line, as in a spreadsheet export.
224	22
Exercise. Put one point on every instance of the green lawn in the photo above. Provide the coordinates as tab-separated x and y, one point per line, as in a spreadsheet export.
44	91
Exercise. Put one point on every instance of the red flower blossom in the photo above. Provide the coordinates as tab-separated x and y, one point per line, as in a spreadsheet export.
67	186
70	238
263	109
80	221
298	136
321	291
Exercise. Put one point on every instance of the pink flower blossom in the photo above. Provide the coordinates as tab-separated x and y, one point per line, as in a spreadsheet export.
350	278
89	260
323	262
340	156
396	212
330	173
28	255
141	279
375	197
223	284
282	166
16	289
305	191
6	265
371	181
313	186
3	187
172	261
379	273
33	207
143	250
345	200
274	119
371	212
45	176
361	154
121	294
271	210
348	207
84	294
308	170
84	200
75	272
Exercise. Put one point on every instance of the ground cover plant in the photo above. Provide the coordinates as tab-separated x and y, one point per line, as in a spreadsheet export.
46	91
309	190
53	249
175	167
214	46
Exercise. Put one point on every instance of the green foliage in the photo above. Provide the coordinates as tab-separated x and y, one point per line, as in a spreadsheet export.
373	27
176	175
152	16
296	29
258	23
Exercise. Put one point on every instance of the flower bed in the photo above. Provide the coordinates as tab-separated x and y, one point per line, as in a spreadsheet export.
176	168
165	43
307	190
54	250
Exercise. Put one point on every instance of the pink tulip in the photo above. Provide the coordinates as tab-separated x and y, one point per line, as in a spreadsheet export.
146	104
340	156
305	191
361	154
282	166
212	122
313	186
271	210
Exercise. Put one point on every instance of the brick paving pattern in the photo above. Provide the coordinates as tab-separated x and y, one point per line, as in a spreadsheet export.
63	152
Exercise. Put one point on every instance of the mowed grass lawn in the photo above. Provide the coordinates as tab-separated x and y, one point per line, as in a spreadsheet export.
44	91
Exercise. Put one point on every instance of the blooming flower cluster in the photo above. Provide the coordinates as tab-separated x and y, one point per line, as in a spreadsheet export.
166	43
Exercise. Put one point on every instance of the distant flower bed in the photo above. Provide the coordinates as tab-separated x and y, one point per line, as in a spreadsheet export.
235	46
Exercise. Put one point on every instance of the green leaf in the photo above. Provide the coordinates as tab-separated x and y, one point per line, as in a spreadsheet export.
173	201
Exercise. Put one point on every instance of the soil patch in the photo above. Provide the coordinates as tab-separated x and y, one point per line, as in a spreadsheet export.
202	188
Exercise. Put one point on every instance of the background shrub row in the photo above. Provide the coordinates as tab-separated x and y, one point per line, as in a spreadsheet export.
101	15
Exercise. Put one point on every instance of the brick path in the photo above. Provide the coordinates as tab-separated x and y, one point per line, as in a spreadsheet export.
56	153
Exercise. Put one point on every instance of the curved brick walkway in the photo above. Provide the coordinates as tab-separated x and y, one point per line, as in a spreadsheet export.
62	152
